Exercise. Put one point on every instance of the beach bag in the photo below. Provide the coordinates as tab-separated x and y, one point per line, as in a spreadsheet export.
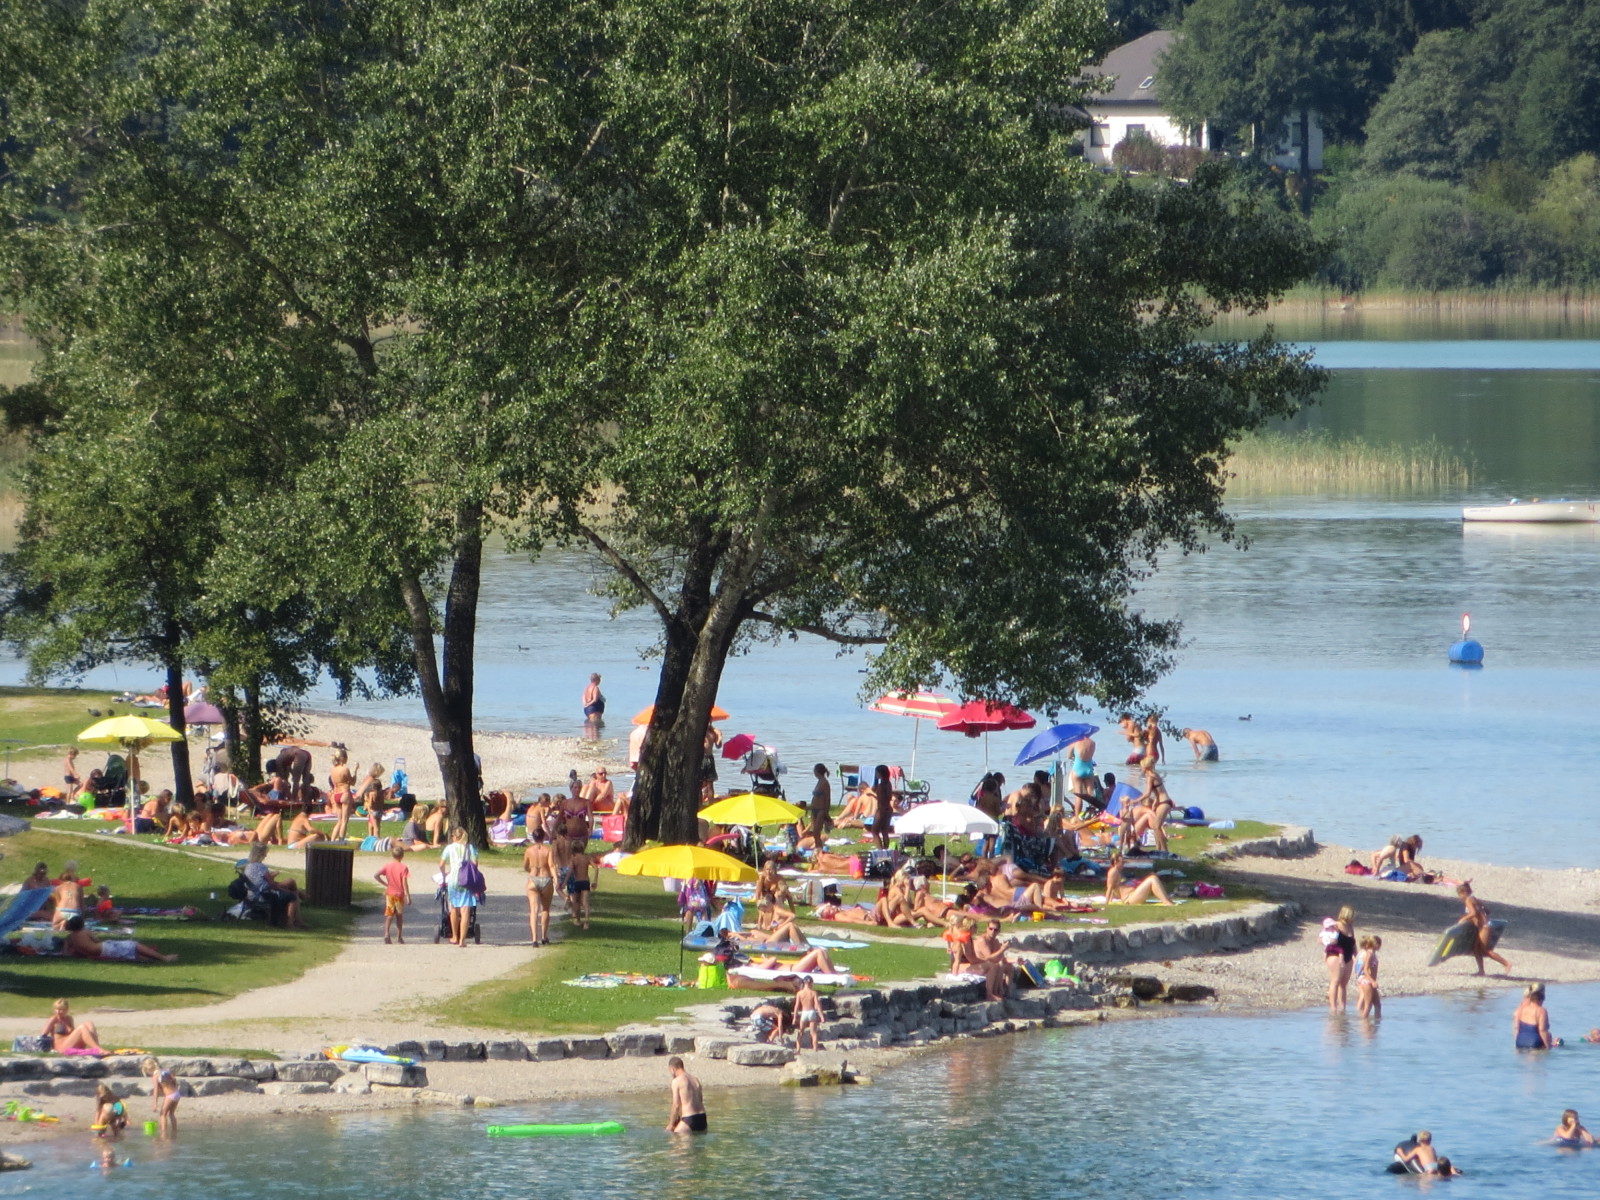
1194	814
470	879
33	1043
1029	975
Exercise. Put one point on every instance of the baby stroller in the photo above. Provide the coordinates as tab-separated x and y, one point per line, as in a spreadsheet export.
443	931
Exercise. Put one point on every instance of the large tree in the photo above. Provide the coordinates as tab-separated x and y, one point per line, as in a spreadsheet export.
891	370
403	180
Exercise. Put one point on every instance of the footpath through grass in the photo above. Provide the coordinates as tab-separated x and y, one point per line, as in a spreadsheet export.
217	959
635	929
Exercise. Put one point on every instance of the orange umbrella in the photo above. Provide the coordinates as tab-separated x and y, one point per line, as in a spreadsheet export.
643	718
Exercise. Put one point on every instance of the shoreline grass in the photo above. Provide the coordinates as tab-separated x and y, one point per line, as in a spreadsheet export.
217	960
1316	462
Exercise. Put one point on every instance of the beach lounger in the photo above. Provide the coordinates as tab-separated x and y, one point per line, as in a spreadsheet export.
24	906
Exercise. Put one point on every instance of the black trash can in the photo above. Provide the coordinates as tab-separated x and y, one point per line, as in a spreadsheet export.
329	871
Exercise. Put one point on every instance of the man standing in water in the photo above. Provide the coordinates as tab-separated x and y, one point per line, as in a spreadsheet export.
1205	746
688	1105
1477	915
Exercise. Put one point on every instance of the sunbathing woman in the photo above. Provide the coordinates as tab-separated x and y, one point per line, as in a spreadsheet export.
302	833
785	933
65	1034
849	914
814	960
1118	892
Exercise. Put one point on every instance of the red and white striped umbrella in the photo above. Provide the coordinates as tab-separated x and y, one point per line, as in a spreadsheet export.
924	706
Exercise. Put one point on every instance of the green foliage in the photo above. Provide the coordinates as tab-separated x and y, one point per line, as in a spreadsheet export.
1429	235
1521	83
1568	206
1243	63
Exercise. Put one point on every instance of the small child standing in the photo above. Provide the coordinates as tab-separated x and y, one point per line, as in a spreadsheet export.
396	879
1368	1002
578	884
164	1095
807	1013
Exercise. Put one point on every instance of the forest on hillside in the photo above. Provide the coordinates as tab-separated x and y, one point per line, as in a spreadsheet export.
1462	135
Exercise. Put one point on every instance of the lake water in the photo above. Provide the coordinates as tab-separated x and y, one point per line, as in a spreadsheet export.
1329	632
1237	1108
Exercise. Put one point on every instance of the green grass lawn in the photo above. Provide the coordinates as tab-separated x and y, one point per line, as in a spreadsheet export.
635	929
218	959
52	717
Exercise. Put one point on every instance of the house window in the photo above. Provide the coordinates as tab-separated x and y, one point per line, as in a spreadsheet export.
1099	135
1135	132
1294	133
1149	82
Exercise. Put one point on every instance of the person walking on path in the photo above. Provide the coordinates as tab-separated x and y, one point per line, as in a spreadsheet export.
540	865
396	879
461	899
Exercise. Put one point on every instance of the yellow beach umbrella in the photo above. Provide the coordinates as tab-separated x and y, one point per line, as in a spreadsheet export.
119	731
687	862
752	809
132	734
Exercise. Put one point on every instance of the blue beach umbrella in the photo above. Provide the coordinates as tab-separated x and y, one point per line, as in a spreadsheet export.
1053	741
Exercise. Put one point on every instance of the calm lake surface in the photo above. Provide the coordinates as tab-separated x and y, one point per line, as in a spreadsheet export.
1238	1108
1329	632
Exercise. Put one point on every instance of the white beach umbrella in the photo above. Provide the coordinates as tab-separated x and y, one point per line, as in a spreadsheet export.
948	819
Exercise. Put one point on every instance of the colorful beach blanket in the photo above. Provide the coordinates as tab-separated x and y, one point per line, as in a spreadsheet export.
611	979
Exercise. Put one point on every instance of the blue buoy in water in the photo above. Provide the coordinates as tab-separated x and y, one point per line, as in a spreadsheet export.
1468	652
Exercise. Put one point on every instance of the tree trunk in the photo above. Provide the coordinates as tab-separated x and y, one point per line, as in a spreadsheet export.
1305	162
250	732
182	779
448	701
666	800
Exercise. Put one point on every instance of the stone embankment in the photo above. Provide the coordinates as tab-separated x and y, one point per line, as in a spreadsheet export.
314	1074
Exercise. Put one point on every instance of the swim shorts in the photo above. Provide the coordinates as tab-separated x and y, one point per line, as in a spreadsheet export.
696	1122
120	951
1209	754
394	906
809	1016
577	887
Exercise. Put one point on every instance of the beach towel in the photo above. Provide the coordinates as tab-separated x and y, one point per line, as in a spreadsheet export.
765	973
612	979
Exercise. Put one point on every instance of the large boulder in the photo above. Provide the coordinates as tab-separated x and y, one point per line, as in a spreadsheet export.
758	1054
412	1075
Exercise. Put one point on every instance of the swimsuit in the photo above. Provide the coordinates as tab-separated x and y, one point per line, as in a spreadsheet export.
120	951
1528	1037
809	1016
540	883
696	1122
1209	754
576	887
1082	768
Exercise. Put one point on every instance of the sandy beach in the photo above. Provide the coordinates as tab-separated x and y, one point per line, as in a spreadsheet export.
1553	935
511	761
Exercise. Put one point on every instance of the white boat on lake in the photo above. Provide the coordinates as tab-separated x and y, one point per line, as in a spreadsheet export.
1542	512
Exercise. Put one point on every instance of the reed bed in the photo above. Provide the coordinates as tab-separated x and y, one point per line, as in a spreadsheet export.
1314	461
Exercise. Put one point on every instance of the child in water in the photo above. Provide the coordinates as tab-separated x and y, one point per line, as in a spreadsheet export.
1571	1131
1368	1002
